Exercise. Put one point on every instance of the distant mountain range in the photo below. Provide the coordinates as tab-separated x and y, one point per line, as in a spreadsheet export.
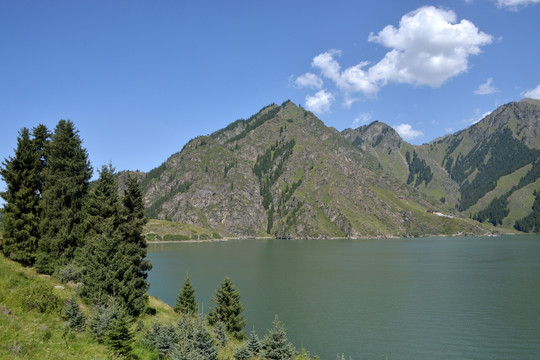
283	173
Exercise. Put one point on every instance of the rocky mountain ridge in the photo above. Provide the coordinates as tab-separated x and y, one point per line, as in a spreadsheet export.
283	173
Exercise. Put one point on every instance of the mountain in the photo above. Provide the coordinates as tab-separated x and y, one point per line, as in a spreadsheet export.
283	173
408	163
495	163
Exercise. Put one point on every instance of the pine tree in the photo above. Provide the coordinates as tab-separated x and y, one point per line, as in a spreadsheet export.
203	343
163	338
113	255
243	353
254	344
119	336
66	181
185	302
102	205
22	175
132	251
42	137
74	315
102	240
275	344
220	333
228	309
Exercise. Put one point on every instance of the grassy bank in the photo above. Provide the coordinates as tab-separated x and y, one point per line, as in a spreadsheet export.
34	325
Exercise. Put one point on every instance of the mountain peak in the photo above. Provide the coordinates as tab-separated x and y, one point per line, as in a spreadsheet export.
535	102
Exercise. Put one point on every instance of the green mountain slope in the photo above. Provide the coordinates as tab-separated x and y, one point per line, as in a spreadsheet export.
493	160
285	174
408	163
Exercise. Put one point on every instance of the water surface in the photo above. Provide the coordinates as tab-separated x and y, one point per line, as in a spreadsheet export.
427	298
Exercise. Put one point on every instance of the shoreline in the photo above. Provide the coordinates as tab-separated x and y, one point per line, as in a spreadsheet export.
225	239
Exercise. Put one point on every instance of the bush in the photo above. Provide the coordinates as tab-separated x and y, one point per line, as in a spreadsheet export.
175	237
70	273
40	296
153	237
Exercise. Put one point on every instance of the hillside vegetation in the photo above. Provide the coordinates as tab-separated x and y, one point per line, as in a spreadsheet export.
36	323
283	173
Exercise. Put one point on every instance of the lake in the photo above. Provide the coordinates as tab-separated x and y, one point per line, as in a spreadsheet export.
421	298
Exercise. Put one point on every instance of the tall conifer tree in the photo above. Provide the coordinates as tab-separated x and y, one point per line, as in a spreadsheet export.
113	255
228	309
134	267
101	245
185	302
66	181
22	175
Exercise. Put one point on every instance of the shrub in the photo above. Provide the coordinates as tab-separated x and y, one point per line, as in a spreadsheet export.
175	237
40	296
70	273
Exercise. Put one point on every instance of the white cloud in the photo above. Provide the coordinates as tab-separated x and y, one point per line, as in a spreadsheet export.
361	119
486	88
309	80
428	48
407	132
533	94
478	118
448	130
515	4
320	102
351	80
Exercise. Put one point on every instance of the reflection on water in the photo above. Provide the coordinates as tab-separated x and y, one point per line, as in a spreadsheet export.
429	298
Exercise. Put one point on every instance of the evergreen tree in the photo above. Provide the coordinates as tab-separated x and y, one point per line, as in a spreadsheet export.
220	333
66	181
275	344
185	302
42	137
243	353
74	315
133	267
102	215
21	212
102	205
119	336
163	338
228	309
203	343
113	255
102	318
254	344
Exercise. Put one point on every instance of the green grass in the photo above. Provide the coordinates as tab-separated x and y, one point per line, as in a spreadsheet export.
520	204
159	230
504	184
30	334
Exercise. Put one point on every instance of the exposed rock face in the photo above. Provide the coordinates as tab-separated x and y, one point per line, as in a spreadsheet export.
284	173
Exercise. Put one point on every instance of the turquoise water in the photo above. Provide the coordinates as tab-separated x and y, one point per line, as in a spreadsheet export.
426	298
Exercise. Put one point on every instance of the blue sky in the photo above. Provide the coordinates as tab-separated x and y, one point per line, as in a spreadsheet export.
141	78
